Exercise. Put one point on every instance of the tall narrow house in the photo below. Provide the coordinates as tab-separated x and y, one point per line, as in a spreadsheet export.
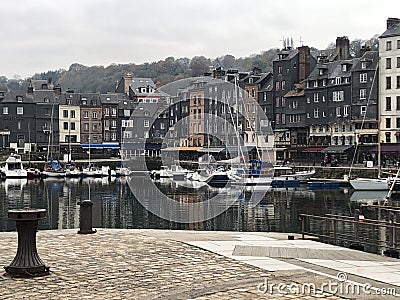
389	85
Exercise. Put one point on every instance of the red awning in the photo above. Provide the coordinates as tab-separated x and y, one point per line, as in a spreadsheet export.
313	149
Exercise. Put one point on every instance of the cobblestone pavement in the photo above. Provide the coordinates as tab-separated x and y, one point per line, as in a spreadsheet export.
129	264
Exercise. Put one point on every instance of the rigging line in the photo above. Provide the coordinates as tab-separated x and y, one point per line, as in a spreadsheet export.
363	119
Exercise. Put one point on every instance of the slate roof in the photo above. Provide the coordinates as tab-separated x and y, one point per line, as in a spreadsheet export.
394	30
11	97
371	56
138	82
73	97
109	98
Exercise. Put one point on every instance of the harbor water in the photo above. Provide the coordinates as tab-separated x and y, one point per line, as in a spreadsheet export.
115	205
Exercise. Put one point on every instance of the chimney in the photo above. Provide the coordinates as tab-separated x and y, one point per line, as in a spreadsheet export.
127	82
304	62
392	21
342	48
364	49
57	89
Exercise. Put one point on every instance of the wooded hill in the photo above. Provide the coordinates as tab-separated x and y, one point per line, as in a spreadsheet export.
102	79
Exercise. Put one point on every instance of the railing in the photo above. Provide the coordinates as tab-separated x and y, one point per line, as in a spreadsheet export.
357	232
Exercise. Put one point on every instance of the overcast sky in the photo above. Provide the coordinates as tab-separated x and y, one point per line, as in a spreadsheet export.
43	35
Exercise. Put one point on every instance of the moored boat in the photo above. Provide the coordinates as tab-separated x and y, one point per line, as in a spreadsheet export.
13	167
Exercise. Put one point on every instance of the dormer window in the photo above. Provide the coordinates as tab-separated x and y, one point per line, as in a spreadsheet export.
20	98
44	86
344	68
363	65
321	72
46	100
250	80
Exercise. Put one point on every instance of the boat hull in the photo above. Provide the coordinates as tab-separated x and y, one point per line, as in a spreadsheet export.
370	184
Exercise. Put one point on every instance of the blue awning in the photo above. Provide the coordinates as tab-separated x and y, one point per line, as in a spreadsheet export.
101	146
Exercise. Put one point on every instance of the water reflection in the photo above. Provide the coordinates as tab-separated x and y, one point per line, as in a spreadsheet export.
114	205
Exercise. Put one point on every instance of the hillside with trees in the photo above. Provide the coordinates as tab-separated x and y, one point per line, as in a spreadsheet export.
102	79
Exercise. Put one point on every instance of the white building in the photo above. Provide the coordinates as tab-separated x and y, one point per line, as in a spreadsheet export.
389	85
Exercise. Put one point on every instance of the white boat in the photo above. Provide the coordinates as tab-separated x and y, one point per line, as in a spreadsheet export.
370	184
284	173
175	172
213	177
54	170
122	171
73	171
107	171
92	171
14	168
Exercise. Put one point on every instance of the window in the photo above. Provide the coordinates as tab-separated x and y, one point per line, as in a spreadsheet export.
20	98
338	114
19	125
114	123
113	136
363	77
162	125
316	113
277	84
283	101
338	96
72	125
276	101
279	69
397	82
316	97
95	139
338	80
398	62
398	44
363	93
20	110
397	122
106	111
344	68
146	123
5	110
363	65
398	103
388	83
94	115
295	104
345	111
86	114
114	111
65	113
388	63
277	117
146	134
389	45
316	83
308	100
65	125
388	121
94	127
388	103
323	114
85	126
387	134
72	112
283	118
363	110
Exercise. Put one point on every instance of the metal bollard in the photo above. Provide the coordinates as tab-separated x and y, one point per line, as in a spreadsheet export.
27	261
85	217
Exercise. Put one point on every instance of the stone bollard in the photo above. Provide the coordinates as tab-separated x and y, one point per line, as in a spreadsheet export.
27	261
85	217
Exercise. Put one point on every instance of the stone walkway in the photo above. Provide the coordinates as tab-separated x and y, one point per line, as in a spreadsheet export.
148	264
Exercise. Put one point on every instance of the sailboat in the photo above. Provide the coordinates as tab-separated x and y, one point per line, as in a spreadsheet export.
54	169
367	184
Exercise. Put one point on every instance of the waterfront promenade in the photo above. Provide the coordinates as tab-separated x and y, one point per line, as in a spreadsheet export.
166	264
